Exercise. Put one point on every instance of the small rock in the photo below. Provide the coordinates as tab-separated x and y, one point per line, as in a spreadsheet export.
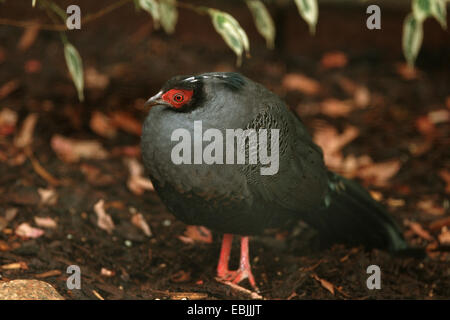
28	290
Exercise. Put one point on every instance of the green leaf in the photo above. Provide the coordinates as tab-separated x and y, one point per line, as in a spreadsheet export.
421	9
152	7
263	21
412	38
439	12
75	66
168	15
309	11
230	30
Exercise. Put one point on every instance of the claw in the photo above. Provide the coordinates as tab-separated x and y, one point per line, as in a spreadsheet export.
244	271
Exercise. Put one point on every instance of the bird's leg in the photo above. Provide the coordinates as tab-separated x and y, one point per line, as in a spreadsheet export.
244	270
222	268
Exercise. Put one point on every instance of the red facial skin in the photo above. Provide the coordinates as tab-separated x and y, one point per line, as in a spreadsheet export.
177	97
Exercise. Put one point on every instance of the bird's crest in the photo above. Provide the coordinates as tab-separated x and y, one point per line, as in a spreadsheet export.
231	79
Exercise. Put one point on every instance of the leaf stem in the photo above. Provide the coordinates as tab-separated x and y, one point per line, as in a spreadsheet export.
89	17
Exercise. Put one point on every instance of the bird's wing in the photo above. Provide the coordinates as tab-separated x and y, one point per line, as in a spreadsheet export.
301	181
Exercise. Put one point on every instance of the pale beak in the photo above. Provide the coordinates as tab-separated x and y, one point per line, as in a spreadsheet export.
156	99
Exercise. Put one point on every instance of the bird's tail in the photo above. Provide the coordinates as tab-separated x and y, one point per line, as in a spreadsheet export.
353	217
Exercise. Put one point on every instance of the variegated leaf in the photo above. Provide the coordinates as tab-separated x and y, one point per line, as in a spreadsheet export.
421	9
263	21
75	66
412	38
152	7
309	11
168	14
439	11
230	30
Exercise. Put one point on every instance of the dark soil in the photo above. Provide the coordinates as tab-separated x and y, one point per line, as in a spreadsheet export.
137	60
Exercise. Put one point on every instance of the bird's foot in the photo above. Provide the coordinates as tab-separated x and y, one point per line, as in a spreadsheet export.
244	271
236	276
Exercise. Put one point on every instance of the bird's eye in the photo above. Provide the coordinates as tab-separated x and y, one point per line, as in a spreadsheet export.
178	97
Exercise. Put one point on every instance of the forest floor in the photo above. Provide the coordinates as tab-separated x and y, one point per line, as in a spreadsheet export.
377	121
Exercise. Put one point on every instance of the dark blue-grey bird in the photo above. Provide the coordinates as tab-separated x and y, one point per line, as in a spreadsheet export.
235	199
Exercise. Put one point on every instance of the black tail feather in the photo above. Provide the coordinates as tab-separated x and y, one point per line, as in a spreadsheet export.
353	217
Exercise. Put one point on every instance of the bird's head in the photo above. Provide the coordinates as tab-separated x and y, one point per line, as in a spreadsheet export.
186	92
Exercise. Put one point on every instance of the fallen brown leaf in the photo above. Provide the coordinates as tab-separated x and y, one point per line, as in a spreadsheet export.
139	221
104	220
417	229
361	95
102	125
196	234
324	283
444	236
379	173
71	150
334	59
27	231
45	222
430	207
137	183
8	120
48	196
11	213
439	116
331	142
95	79
8	88
126	122
439	224
335	108
300	82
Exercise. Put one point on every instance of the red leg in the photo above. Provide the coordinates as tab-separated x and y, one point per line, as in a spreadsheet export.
244	270
222	267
